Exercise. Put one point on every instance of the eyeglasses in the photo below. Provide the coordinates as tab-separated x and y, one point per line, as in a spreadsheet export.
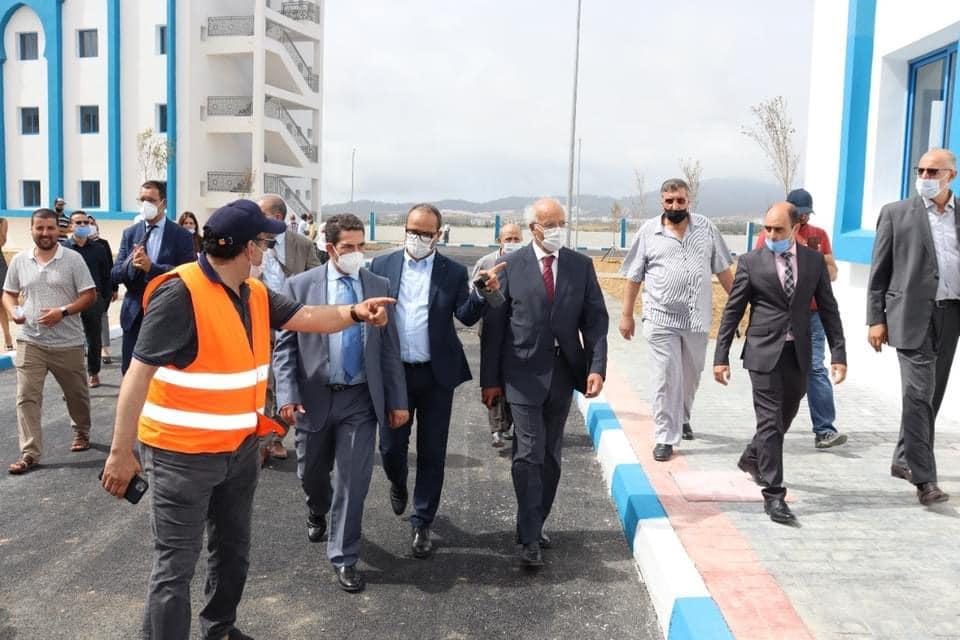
554	225
929	172
426	236
680	201
262	243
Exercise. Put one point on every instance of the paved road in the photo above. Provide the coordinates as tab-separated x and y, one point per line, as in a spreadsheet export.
75	562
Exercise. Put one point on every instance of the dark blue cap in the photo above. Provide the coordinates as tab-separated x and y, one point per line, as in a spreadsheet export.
802	200
240	221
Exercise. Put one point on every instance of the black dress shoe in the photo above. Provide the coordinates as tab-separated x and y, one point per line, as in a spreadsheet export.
236	634
929	493
903	473
778	511
662	452
751	468
545	541
687	431
421	544
350	578
398	498
316	529
530	555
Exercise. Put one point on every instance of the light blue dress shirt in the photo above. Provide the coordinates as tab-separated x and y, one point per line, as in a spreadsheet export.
413	307
153	242
273	275
334	296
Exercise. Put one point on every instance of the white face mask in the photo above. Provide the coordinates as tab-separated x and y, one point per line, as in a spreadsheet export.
192	230
417	247
350	263
149	211
94	232
510	247
928	188
554	239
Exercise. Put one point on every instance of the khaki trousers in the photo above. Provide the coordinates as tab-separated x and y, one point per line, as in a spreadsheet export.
67	365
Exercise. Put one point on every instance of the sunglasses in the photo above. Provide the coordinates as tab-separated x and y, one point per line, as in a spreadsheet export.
929	172
680	201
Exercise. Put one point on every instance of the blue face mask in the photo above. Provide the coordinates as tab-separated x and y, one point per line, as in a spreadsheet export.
82	232
777	246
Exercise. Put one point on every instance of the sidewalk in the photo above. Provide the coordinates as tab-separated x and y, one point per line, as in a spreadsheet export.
868	561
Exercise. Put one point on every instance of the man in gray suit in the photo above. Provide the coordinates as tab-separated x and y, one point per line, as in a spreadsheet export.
532	351
913	304
336	388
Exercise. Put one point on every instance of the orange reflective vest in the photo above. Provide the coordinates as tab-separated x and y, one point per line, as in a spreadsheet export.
216	402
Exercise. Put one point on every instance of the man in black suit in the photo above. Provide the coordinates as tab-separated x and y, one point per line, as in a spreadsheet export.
778	282
147	249
431	290
532	352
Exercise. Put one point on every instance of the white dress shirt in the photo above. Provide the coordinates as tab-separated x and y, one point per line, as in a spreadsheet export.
541	254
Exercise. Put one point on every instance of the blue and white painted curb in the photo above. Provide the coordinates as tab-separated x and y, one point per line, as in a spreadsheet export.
6	359
683	605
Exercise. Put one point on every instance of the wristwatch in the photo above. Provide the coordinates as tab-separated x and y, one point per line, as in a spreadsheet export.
64	311
353	314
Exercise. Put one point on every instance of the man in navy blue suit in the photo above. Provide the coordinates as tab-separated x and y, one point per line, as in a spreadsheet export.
148	248
430	290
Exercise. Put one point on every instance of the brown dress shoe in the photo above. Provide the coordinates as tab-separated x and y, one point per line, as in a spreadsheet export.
929	493
276	450
94	382
903	473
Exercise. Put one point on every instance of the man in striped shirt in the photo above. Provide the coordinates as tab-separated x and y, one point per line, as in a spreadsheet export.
673	256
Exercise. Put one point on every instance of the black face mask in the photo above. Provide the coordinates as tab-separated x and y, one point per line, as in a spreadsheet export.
676	217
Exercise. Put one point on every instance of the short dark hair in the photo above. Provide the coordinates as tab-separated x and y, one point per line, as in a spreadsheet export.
43	214
77	212
161	187
429	208
339	223
218	247
674	184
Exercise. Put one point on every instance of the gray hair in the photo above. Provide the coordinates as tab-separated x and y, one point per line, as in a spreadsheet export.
276	204
674	184
951	156
530	211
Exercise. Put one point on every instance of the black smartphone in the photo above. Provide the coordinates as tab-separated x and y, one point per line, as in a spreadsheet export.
135	490
481	282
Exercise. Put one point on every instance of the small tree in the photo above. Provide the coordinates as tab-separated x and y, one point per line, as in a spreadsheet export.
153	153
641	189
616	212
691	173
773	131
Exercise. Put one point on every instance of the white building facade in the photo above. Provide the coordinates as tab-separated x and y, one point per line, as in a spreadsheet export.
883	90
231	90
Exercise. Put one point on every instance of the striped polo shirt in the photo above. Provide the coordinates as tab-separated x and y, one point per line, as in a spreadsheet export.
676	272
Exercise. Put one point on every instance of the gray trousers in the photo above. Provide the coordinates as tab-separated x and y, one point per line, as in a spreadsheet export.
676	358
193	492
924	373
343	446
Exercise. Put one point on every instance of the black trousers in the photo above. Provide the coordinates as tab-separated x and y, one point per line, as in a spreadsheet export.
924	373
776	398
92	320
129	342
537	449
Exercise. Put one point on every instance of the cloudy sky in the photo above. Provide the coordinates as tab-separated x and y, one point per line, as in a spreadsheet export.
471	99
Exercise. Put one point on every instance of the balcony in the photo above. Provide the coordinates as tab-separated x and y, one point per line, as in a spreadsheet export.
273	109
230	181
230	26
276	184
229	106
278	33
301	11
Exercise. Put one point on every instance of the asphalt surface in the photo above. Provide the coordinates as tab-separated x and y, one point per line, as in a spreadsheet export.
75	562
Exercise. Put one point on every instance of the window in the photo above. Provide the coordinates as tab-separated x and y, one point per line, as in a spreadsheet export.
90	119
161	39
161	118
29	48
87	43
31	193
30	121
90	194
929	101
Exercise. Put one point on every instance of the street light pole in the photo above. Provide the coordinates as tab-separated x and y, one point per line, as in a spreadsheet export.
576	242
353	165
573	119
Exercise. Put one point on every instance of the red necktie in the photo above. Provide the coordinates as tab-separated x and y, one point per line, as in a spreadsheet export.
548	276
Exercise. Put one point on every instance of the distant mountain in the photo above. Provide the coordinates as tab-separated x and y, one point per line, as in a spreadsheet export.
718	198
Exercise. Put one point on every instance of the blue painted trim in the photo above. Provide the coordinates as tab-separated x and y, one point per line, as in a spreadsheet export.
635	498
172	108
114	169
849	243
6	362
697	619
953	137
97	213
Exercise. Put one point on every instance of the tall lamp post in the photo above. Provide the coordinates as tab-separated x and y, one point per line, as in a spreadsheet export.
353	167
573	121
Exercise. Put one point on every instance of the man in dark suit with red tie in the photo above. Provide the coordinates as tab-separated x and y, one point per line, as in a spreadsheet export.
148	248
547	339
778	281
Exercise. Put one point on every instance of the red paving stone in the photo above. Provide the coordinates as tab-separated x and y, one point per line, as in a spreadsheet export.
753	604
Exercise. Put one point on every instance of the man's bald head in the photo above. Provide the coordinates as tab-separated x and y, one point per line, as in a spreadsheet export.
544	210
780	220
273	206
511	233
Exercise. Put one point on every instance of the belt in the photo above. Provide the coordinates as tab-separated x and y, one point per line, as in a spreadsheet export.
943	304
344	387
416	365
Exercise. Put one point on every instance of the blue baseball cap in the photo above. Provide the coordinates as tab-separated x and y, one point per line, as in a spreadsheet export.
802	200
241	221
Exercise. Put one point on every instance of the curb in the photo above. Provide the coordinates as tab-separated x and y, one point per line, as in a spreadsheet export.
684	607
6	358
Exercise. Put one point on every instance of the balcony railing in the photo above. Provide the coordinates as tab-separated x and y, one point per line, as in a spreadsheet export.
276	184
229	106
230	26
232	181
279	34
301	11
273	109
